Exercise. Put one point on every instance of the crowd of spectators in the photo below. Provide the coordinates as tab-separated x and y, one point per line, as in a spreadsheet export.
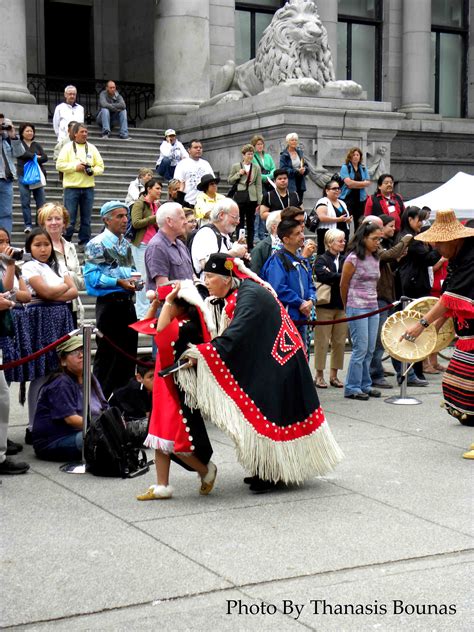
361	248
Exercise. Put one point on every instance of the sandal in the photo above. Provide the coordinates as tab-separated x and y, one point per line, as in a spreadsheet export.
440	367
320	383
334	381
157	492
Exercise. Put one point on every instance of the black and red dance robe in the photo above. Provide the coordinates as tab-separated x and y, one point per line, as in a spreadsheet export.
458	298
254	382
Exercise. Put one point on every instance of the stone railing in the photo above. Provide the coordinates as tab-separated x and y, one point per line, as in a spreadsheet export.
49	91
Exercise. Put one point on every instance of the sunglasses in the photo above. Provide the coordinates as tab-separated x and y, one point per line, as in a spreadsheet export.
334	189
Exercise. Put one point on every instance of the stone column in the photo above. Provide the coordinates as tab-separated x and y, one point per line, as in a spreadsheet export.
327	10
13	54
416	58
182	68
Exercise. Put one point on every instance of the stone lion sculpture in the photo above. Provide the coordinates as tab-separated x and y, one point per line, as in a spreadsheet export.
294	50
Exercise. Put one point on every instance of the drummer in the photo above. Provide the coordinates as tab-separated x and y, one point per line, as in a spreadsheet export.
455	242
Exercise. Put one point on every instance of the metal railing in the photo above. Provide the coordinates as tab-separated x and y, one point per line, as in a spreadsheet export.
49	91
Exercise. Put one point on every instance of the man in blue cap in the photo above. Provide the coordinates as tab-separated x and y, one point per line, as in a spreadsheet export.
108	275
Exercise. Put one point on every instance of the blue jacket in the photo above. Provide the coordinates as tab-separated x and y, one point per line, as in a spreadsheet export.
296	182
290	276
347	171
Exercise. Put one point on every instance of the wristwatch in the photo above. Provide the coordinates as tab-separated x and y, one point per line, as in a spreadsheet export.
424	323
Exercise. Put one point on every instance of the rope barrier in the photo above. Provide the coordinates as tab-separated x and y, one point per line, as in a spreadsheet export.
313	323
37	354
150	365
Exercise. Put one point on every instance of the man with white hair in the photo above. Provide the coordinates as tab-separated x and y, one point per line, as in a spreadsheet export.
66	112
166	256
266	247
215	236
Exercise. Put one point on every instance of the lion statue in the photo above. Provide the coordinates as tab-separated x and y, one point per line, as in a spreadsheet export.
294	50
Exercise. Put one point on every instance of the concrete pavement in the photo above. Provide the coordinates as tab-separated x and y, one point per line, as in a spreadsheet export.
382	543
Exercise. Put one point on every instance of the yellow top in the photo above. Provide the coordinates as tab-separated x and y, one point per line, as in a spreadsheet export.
73	154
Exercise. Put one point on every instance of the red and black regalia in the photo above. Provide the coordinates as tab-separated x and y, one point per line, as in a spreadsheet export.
458	298
254	382
174	427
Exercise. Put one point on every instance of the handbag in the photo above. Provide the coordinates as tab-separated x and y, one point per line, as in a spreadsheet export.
31	172
40	184
313	222
243	197
323	293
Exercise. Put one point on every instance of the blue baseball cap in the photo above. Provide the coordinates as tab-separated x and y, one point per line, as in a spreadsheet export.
111	206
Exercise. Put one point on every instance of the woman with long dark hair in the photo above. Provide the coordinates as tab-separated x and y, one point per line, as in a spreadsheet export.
360	274
356	179
332	213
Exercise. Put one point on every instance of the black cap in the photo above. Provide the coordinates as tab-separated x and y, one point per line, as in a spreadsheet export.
220	263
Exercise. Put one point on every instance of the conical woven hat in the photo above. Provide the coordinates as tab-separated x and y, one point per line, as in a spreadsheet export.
446	227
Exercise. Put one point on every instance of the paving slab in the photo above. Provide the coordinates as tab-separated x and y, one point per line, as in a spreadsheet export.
307	537
66	555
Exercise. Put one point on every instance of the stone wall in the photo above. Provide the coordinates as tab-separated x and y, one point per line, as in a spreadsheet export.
222	33
136	40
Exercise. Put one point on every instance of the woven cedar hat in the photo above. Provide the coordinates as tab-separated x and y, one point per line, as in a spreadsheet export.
446	227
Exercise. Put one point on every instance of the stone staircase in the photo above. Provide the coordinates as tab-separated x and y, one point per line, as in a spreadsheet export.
122	161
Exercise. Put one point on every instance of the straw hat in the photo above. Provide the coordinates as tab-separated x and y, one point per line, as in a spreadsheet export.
446	227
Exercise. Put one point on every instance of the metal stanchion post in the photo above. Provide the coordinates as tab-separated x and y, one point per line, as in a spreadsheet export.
403	399
80	467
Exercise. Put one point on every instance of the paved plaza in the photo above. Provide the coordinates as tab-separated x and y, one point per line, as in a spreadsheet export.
382	543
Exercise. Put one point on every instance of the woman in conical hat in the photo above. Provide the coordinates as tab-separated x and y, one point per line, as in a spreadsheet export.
455	242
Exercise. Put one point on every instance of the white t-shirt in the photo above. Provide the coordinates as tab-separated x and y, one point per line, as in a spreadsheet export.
191	171
36	268
204	244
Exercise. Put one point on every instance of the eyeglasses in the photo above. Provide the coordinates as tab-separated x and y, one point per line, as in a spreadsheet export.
334	189
234	218
76	352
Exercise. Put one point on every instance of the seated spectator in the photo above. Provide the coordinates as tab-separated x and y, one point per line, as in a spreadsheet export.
112	111
290	275
265	248
171	152
174	192
280	198
215	236
58	421
134	399
191	225
137	186
328	270
32	148
207	197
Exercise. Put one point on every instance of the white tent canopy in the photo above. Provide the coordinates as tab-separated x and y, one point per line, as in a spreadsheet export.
457	193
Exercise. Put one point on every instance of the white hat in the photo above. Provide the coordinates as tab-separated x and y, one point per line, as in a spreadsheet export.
170	132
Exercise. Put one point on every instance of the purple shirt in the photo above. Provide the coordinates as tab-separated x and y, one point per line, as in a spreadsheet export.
363	284
167	259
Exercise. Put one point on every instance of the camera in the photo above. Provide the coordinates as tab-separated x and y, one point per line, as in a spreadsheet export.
17	254
88	170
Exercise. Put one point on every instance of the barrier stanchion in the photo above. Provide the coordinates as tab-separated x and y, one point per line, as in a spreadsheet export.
403	399
80	466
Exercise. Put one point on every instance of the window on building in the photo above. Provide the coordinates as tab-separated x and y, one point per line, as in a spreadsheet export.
449	42
251	19
359	44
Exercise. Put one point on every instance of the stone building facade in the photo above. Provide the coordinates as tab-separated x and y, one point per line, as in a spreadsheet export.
413	56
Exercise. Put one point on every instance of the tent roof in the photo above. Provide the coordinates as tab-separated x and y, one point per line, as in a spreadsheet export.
457	193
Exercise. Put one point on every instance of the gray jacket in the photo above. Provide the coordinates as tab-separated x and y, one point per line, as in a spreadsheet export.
114	104
11	148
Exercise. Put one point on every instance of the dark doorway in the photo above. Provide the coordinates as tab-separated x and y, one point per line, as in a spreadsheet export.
69	40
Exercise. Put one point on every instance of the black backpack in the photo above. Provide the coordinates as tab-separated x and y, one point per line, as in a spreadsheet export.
109	449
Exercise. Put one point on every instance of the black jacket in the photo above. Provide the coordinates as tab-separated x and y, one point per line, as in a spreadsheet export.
34	148
325	272
413	269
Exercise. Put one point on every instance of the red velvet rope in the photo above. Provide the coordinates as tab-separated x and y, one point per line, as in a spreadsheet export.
36	354
124	353
313	323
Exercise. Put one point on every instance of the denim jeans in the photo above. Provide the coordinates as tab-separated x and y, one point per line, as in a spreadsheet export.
259	228
73	199
106	119
25	197
363	336
142	303
165	169
6	204
67	448
376	367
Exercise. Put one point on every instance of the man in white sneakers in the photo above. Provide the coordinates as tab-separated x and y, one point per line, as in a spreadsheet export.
190	171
